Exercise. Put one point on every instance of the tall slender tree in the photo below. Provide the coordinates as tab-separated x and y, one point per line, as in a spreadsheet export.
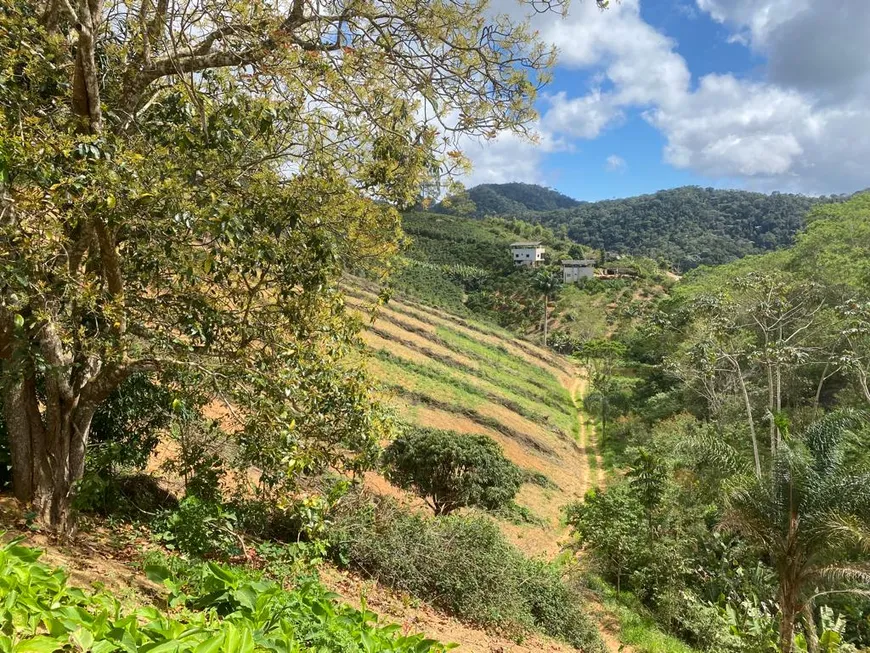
547	282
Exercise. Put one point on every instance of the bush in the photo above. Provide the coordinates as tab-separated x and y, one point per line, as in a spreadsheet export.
462	565
201	529
131	496
126	428
451	470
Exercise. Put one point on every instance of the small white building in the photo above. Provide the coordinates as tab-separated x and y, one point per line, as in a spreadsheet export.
575	269
527	253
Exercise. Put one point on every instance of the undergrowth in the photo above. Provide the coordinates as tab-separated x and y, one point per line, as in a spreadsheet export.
461	564
214	608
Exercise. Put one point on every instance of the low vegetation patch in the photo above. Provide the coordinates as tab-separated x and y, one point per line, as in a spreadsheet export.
462	565
231	611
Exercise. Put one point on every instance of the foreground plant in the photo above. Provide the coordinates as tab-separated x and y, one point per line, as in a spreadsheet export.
810	515
233	613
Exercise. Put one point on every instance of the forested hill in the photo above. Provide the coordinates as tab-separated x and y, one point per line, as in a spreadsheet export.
686	226
513	199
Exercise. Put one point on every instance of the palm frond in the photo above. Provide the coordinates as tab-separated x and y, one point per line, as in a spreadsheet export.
827	437
705	448
838	574
847	530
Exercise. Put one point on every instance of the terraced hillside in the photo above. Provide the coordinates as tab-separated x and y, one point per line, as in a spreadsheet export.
448	372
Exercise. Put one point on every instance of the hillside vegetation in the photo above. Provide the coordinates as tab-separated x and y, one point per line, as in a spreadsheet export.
463	265
739	412
684	227
513	199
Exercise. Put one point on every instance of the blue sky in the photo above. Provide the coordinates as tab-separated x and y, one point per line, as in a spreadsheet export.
651	94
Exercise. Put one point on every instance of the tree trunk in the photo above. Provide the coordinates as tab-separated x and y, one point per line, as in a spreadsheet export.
809	622
771	407
748	405
818	396
48	452
786	629
546	301
865	386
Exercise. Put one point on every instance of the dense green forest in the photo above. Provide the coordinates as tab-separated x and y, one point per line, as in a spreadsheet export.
738	406
683	227
509	199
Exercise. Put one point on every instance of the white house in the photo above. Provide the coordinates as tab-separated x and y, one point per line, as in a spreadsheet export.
576	269
527	253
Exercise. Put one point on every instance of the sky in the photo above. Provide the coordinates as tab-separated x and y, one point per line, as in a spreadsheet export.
768	95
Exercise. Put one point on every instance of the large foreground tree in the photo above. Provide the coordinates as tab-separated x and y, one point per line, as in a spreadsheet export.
181	184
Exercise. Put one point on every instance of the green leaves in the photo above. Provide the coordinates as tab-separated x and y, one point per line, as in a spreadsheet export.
452	470
240	615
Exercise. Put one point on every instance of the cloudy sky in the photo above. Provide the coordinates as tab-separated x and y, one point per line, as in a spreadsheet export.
650	94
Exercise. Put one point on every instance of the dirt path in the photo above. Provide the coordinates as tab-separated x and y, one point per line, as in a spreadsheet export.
591	477
608	625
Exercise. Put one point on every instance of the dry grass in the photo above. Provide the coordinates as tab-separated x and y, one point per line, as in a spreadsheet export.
487	360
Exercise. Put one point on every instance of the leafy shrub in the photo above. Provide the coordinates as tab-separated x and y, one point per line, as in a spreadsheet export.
462	565
126	427
200	528
451	470
610	524
232	612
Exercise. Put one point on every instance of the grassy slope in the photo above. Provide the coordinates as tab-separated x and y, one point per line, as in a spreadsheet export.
454	373
457	374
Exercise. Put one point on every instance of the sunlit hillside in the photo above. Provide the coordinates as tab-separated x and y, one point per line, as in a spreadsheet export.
452	373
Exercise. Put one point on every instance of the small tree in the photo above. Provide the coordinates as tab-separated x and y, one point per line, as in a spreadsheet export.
547	282
450	470
601	357
648	477
609	523
807	514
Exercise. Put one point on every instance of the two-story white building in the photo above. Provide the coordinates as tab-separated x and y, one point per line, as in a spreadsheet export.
527	253
575	269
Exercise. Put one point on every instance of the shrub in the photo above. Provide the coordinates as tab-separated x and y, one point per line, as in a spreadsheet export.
461	564
451	470
126	428
610	524
200	528
131	496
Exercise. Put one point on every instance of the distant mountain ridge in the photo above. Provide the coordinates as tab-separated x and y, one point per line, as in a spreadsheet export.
687	226
516	198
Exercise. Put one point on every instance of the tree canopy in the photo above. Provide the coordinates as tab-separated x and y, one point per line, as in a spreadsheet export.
181	185
451	470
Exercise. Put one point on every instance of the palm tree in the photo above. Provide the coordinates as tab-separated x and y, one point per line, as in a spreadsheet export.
807	514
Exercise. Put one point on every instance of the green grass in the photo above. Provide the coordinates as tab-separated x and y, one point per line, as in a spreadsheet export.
424	385
509	366
640	631
504	396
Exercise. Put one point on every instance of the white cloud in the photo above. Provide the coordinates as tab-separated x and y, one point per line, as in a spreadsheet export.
583	117
615	163
509	157
728	127
801	124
